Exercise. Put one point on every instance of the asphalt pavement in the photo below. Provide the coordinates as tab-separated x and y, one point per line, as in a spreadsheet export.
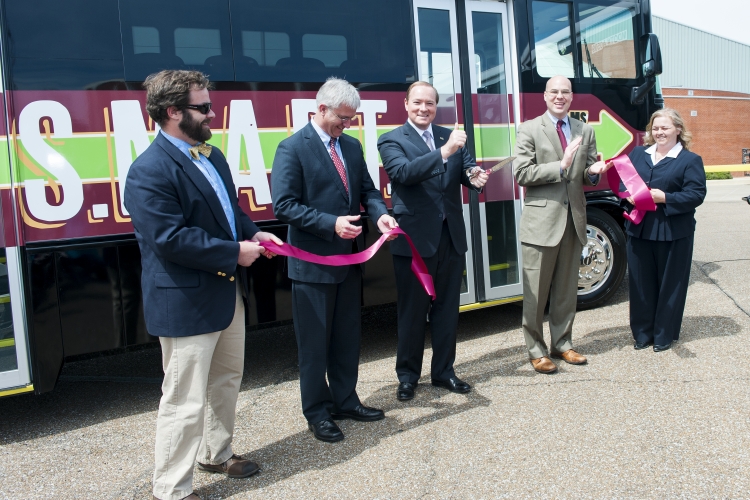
630	424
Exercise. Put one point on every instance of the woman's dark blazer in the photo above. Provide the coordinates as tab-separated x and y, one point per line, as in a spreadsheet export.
683	181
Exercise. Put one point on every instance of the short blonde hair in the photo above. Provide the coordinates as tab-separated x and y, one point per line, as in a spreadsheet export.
683	134
423	84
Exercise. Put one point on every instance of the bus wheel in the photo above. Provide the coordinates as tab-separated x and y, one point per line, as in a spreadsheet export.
603	260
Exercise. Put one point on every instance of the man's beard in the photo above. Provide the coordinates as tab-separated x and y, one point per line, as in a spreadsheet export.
194	128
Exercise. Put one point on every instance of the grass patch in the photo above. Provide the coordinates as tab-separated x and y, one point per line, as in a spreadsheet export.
712	176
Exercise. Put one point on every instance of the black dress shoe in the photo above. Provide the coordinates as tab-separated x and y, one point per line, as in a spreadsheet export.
326	430
360	412
660	348
405	391
453	384
638	346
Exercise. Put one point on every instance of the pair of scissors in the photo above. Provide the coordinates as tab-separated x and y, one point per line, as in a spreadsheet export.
503	163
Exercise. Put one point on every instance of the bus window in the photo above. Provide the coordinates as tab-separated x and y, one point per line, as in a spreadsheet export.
435	53
146	40
331	49
169	35
607	42
552	46
303	41
196	45
265	48
56	46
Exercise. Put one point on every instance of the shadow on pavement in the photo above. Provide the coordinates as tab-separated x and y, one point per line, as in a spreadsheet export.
111	387
301	452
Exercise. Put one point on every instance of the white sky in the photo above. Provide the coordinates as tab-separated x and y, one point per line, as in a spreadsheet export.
726	18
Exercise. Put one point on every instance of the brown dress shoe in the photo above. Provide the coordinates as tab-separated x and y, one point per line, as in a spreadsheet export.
236	467
544	365
572	357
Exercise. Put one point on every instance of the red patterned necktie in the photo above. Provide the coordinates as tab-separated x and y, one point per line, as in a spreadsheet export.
339	164
561	135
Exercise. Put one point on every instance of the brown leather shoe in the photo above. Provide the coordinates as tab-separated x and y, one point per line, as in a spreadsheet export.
544	365
236	467
572	357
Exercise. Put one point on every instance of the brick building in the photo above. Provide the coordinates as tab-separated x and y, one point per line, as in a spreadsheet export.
706	79
718	120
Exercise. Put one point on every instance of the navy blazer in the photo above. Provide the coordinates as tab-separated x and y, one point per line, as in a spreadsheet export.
683	181
421	184
309	196
188	253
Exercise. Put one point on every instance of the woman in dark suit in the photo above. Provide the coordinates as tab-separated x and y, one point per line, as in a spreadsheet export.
660	248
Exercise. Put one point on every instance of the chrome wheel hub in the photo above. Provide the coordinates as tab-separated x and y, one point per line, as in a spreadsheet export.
596	261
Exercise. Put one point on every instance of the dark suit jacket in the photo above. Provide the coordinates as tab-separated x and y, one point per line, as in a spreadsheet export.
188	253
683	181
421	184
308	195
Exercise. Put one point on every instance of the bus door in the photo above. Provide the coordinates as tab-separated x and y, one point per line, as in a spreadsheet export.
437	59
494	137
14	360
436	26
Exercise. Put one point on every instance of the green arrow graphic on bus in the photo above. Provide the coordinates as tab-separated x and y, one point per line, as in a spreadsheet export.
611	136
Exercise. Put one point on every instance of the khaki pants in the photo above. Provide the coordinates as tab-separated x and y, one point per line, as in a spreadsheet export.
553	272
202	375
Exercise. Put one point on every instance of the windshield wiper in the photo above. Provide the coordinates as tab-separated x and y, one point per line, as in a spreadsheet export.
592	66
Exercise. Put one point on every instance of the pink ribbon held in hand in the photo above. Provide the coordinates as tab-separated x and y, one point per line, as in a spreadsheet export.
636	188
417	264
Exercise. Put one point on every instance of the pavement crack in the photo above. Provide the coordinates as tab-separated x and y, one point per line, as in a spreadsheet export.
719	286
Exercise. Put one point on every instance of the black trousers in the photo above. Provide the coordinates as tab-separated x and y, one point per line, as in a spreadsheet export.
327	324
446	268
659	274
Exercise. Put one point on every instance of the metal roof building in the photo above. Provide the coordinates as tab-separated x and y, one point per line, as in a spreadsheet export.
694	59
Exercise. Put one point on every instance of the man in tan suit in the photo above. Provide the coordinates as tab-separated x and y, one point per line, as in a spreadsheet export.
553	223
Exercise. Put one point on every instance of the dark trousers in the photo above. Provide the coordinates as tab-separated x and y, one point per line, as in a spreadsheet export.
446	268
327	324
659	274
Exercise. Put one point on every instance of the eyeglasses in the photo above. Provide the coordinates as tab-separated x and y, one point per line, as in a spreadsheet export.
564	93
342	118
201	108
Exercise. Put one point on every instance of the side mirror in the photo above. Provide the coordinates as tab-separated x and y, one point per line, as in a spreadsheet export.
651	66
651	55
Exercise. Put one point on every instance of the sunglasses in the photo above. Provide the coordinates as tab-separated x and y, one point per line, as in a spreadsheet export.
201	108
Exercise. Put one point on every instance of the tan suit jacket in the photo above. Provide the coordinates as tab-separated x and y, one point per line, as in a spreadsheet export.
548	193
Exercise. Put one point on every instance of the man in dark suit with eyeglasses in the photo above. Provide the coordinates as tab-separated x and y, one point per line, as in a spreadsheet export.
319	180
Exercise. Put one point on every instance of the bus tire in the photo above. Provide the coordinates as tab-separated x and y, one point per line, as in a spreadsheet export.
603	260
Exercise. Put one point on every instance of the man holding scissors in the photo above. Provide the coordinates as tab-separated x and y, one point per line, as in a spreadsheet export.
427	165
556	157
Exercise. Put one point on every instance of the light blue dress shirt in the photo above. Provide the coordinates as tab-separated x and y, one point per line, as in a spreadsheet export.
326	138
212	176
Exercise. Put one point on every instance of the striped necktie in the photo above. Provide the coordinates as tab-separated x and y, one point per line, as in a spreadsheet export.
428	139
338	164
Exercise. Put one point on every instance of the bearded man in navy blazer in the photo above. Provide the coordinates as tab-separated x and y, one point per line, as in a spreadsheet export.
427	165
319	180
193	240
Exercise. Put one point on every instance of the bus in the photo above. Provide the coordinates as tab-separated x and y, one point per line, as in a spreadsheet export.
73	120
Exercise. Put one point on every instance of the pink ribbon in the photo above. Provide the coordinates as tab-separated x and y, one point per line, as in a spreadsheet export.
637	189
417	264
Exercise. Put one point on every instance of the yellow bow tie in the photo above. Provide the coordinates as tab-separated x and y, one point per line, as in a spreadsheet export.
200	149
